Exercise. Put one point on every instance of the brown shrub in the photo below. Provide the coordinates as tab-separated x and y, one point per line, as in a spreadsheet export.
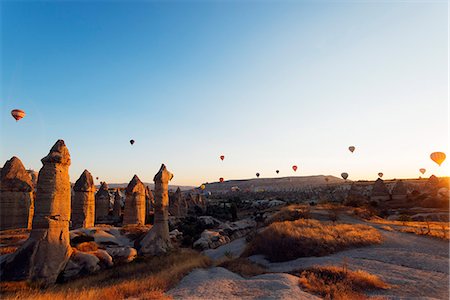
290	213
87	247
243	267
282	241
143	279
332	282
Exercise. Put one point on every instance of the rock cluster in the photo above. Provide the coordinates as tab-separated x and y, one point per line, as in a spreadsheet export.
46	252
157	240
83	201
16	196
379	191
102	203
135	203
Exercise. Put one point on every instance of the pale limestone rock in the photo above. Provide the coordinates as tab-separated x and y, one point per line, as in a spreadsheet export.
83	202
157	240
135	203
46	252
16	196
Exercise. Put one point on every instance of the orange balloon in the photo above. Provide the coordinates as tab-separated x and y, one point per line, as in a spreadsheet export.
438	157
18	114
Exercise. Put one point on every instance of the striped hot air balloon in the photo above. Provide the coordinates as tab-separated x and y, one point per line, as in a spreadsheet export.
438	157
18	114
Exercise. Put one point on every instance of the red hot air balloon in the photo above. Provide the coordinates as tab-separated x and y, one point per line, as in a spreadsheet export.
221	179
17	114
294	168
222	157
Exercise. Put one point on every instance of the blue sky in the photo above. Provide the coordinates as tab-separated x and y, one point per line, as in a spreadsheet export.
267	84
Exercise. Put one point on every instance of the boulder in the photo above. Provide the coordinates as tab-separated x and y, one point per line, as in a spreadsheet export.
83	201
46	252
122	254
210	240
157	240
16	196
80	263
134	213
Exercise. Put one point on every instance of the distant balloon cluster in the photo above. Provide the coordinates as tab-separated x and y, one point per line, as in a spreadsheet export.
437	157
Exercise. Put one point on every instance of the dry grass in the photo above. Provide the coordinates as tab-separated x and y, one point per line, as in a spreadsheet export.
434	229
339	283
290	213
243	267
282	241
11	239
143	279
8	249
87	247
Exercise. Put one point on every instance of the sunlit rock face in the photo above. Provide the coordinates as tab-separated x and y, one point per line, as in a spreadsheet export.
102	203
46	252
135	203
379	191
157	240
16	196
83	201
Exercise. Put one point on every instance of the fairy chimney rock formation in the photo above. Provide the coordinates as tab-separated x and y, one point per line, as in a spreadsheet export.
102	203
117	208
16	196
432	184
83	202
157	240
399	192
149	204
46	252
175	203
135	203
379	191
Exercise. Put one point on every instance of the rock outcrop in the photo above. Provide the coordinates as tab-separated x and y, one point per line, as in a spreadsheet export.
117	208
16	196
134	213
379	191
175	203
83	202
46	252
149	204
102	203
399	192
157	240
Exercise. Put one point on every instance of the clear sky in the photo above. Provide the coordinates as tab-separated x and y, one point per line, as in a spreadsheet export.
267	84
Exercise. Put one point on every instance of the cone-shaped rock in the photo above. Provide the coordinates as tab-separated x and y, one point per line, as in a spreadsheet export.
379	191
399	192
46	252
117	208
175	203
83	201
135	203
16	196
102	203
432	184
157	240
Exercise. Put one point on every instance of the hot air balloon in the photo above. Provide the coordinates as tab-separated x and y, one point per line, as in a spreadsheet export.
203	187
438	157
380	174
422	170
131	142
222	157
96	178
351	148
278	171
221	179
294	168
257	175
17	114
344	175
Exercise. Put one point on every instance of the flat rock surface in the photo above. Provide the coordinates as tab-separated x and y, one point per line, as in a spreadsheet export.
219	283
416	266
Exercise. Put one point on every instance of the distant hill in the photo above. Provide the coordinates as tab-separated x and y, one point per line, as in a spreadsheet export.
151	185
274	184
